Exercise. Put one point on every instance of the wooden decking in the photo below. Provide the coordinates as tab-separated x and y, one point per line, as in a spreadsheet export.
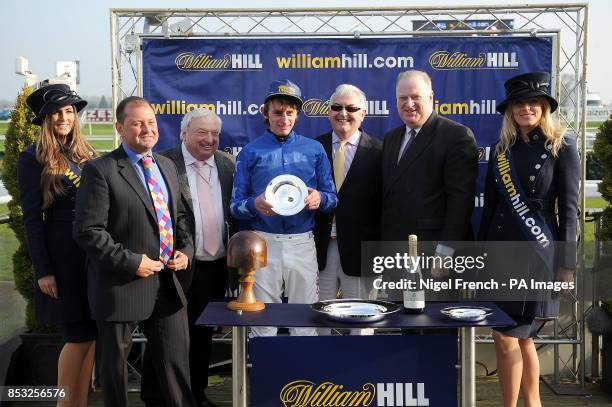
488	395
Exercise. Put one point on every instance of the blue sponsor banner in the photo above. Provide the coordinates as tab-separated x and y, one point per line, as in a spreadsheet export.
231	76
381	370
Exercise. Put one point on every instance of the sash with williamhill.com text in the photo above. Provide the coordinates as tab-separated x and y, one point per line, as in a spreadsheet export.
72	176
531	222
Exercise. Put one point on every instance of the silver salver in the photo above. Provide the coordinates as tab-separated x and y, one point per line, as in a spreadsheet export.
467	313
355	310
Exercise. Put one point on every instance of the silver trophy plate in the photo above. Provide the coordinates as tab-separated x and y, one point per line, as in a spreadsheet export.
355	310
286	193
467	313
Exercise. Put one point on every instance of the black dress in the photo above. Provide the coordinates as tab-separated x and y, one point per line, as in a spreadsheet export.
53	251
552	187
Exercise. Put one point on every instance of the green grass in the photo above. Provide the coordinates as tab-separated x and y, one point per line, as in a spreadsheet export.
98	129
8	245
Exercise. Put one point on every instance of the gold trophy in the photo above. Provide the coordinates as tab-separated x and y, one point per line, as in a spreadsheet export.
247	252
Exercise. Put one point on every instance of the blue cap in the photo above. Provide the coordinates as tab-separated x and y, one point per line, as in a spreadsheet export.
284	87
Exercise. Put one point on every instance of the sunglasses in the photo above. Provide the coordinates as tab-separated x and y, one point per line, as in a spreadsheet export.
338	108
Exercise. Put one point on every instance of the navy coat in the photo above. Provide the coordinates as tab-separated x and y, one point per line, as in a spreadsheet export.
51	247
552	189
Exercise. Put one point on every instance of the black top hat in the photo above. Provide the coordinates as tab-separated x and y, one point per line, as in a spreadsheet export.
526	86
48	99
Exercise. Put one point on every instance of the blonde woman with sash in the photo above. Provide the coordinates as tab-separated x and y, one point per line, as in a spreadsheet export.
49	176
544	169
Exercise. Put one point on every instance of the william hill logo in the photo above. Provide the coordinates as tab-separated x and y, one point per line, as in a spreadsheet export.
304	393
319	108
444	60
286	89
190	61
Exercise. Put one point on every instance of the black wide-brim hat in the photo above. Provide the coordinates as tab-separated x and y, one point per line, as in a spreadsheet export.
48	99
526	86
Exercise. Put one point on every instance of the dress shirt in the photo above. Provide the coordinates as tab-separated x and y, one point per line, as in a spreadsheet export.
406	139
139	168
192	177
350	149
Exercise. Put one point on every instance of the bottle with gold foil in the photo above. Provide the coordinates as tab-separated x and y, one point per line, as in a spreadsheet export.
414	295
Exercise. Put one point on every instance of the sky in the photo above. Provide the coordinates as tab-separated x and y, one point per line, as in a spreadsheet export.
62	30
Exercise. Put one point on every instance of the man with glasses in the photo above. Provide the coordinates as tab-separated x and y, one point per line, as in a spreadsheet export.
206	176
429	170
292	259
356	160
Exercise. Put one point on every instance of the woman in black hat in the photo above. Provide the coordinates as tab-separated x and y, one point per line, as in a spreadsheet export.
49	176
531	195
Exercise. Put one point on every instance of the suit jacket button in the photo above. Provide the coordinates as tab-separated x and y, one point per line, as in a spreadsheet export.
538	166
532	178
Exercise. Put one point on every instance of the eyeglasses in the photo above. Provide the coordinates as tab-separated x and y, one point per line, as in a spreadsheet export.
58	95
338	108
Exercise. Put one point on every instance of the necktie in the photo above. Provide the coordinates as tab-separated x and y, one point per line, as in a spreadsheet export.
164	221
208	214
406	144
339	165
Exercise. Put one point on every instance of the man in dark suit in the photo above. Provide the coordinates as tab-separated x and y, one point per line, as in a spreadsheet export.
429	171
356	160
131	223
208	278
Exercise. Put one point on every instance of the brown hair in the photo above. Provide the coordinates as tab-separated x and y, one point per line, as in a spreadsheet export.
120	112
284	101
54	158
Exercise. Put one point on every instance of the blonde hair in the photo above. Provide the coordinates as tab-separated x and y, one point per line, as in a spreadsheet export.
55	161
552	130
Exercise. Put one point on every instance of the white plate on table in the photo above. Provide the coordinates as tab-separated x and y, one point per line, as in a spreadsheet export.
355	310
467	313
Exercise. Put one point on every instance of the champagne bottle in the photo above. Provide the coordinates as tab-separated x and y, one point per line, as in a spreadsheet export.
414	296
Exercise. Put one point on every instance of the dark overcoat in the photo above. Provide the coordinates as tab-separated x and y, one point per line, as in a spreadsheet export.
552	188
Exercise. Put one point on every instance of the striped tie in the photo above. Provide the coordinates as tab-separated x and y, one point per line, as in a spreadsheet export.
164	221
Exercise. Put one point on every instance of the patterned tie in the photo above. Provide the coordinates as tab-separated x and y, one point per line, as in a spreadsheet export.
208	214
406	144
339	165
164	221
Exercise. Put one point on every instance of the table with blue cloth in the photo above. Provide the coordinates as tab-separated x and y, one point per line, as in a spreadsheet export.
379	370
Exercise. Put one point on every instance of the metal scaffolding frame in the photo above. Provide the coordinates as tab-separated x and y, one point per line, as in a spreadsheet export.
567	23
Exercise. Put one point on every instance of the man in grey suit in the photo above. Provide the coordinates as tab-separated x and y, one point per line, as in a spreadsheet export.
356	159
203	168
429	170
131	223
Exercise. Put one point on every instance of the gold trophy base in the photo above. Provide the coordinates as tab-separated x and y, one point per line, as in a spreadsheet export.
246	306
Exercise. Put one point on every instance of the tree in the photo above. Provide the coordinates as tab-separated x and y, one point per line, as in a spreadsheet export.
20	134
602	148
103	104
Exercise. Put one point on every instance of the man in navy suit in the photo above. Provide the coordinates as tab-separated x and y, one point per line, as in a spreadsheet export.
356	159
131	223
